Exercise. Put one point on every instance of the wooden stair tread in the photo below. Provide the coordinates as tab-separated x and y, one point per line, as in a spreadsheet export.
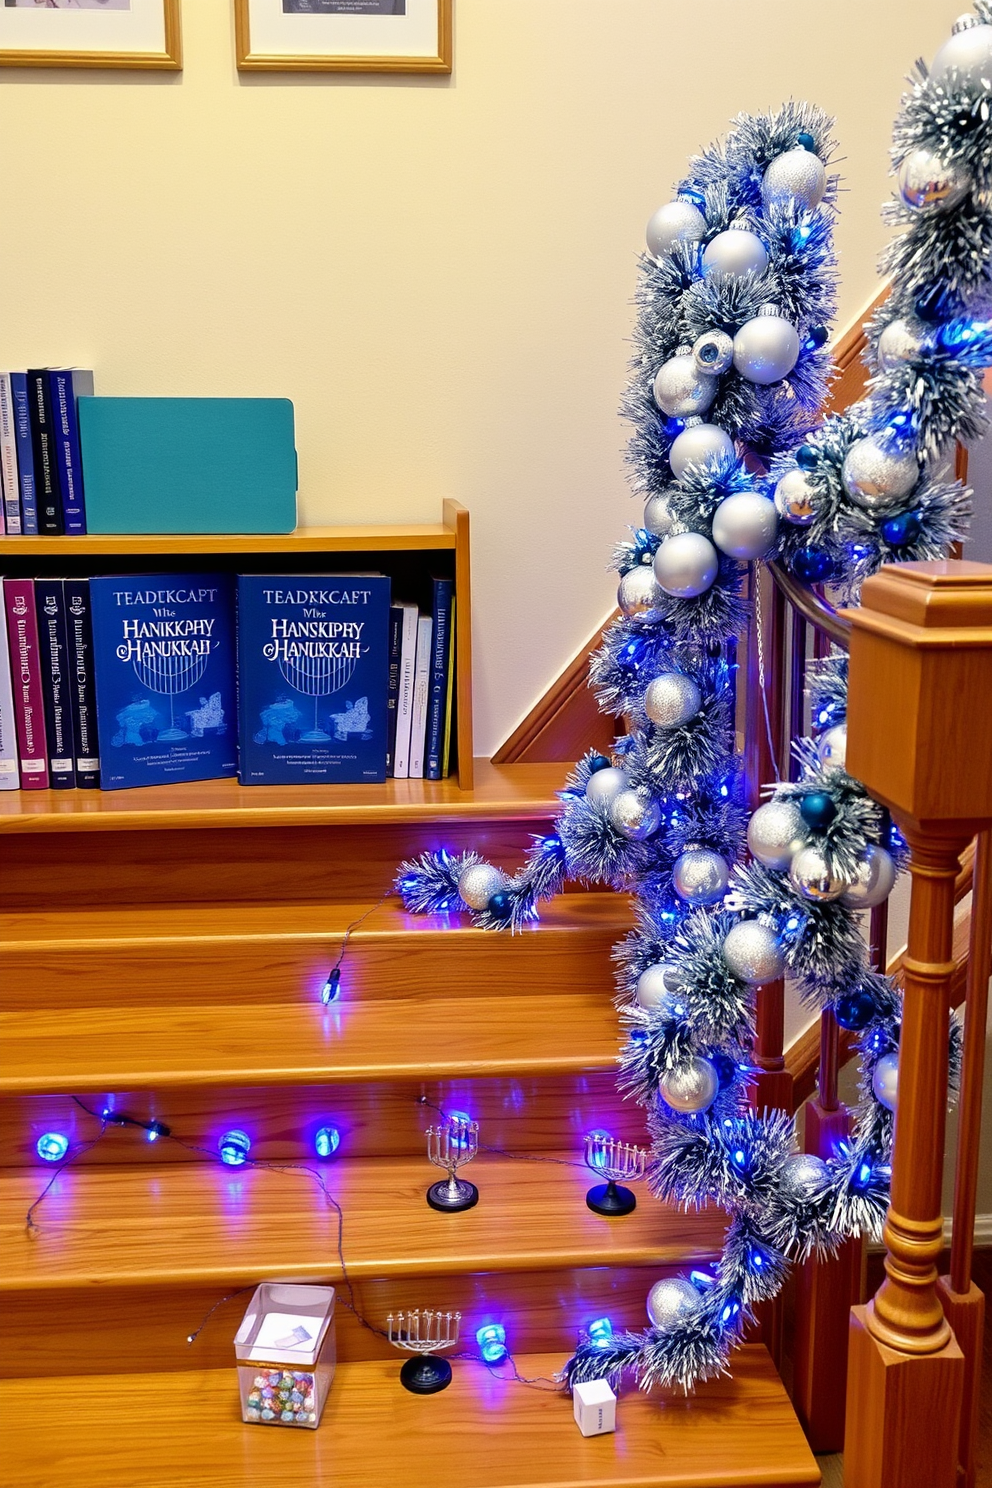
203	1222
183	1430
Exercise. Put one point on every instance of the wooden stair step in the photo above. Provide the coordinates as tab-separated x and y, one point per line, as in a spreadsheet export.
185	1431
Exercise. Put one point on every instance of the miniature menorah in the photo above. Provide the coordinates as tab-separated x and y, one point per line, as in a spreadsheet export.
450	1146
423	1333
615	1161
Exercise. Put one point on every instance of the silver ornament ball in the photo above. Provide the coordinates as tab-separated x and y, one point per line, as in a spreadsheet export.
875	473
686	564
797	175
898	343
713	352
811	875
885	1081
700	444
671	700
658	518
924	180
733	253
692	1087
832	747
873	885
752	952
744	525
804	1176
605	785
968	51
775	834
795	498
675	222
638	595
681	390
478	884
635	815
655	985
766	349
671	1301
700	876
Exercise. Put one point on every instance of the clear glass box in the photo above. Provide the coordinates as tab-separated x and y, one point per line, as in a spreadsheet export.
286	1352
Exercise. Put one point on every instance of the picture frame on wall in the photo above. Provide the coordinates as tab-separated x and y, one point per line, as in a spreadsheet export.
90	33
343	35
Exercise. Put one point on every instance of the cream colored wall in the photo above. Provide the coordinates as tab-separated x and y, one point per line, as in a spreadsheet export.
438	272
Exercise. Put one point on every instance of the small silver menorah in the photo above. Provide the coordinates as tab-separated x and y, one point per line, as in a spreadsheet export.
615	1161
450	1146
424	1333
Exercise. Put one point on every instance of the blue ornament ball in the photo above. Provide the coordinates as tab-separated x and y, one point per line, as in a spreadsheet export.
902	530
855	1010
725	1067
598	762
812	565
805	141
501	903
806	457
817	810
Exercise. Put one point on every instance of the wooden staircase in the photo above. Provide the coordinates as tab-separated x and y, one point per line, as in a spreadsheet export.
163	955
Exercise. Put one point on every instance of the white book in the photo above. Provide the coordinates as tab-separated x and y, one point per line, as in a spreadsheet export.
9	778
8	458
421	688
404	701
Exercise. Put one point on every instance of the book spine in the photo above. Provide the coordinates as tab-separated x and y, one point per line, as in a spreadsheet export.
29	709
9	776
449	706
393	682
82	691
49	598
42	443
421	687
64	388
404	706
25	454
438	690
8	458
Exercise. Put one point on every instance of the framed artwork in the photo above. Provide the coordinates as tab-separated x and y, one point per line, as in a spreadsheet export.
90	33
343	35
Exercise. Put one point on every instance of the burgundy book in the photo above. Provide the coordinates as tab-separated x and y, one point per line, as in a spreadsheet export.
25	675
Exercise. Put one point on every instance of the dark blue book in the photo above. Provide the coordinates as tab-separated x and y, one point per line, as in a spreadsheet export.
46	475
56	687
65	386
438	694
313	663
25	454
393	682
82	683
164	656
8	459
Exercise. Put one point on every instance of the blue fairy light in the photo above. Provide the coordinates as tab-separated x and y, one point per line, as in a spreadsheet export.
327	1141
702	1280
52	1147
862	1176
332	987
234	1147
598	1156
730	1312
757	1259
600	1332
459	1122
491	1338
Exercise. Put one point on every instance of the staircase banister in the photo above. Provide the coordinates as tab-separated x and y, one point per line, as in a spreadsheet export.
816	610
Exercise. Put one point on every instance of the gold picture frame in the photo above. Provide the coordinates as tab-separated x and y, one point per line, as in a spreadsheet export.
250	60
168	58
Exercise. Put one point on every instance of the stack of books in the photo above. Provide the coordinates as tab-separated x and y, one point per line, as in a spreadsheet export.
40	461
128	680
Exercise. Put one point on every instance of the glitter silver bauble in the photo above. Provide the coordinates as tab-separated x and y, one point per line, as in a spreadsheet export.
797	175
752	952
691	1088
671	1301
804	1176
478	884
876	473
671	700
700	876
681	390
675	222
795	498
713	352
639	596
658	517
686	564
700	444
885	1081
775	834
810	874
968	51
924	180
745	524
898	343
655	985
605	785
734	253
766	348
873	885
635	814
832	747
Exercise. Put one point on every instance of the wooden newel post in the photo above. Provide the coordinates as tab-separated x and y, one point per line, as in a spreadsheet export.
920	737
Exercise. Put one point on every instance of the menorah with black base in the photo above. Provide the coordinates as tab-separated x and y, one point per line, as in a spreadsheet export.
423	1333
616	1162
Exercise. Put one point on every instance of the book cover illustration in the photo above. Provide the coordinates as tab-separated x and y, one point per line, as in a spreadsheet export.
312	672
164	657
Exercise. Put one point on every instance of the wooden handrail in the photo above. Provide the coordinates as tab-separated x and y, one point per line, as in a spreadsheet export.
815	610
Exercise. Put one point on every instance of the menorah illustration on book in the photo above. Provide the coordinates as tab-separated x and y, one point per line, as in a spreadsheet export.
169	675
316	676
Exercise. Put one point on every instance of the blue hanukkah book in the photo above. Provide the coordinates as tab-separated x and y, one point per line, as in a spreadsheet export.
313	662
164	657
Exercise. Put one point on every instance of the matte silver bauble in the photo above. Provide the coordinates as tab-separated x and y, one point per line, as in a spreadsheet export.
671	1301
635	815
873	885
968	51
690	1088
700	876
804	1176
639	596
885	1081
478	884
605	785
733	253
766	348
671	700
700	444
775	834
898	343
811	875
713	352
795	498
681	390
675	222
745	524
797	175
655	985
924	180
658	517
752	952
686	564
832	747
876	473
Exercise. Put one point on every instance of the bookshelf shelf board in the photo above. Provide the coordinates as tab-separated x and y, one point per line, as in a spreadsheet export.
424	537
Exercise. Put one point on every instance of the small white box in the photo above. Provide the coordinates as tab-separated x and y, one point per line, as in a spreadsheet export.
595	1407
